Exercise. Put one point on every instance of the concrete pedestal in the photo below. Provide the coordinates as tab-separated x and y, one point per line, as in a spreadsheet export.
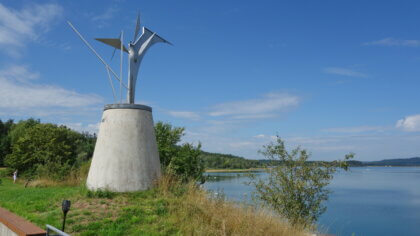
126	157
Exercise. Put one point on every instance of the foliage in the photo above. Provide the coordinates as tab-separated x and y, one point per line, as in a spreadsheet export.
186	164
183	160
5	127
43	150
167	138
228	161
297	188
19	129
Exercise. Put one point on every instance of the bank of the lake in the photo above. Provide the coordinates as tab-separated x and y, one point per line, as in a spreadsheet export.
168	209
365	200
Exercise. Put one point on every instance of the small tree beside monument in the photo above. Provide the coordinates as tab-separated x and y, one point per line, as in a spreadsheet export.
296	188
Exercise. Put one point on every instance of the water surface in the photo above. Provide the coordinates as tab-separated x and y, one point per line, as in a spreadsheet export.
365	200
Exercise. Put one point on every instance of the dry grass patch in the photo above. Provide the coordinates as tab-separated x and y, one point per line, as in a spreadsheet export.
198	214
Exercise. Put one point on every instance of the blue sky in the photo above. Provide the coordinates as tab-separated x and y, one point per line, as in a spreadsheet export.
331	76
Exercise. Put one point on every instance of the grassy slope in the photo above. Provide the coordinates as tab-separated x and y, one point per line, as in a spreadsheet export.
135	213
166	210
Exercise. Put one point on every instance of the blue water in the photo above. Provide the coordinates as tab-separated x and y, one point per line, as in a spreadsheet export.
365	200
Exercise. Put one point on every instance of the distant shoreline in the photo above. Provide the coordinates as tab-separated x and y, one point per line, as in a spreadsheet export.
263	169
235	170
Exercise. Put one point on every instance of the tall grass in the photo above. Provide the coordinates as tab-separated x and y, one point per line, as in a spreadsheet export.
170	208
198	214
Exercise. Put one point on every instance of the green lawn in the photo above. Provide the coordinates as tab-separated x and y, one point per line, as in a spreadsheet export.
141	213
171	208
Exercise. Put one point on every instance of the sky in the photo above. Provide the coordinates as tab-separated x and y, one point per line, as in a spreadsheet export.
333	77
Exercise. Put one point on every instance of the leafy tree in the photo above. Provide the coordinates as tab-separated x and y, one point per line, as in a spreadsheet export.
183	160
5	127
186	164
167	138
44	149
85	148
296	189
19	129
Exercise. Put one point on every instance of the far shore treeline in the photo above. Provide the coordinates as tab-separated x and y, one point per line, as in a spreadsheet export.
37	148
228	161
49	151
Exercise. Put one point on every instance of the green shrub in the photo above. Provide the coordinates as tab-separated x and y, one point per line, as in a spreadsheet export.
167	138
5	172
182	161
45	150
5	127
186	164
296	189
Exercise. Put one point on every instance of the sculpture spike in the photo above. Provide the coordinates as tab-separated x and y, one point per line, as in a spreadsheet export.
137	29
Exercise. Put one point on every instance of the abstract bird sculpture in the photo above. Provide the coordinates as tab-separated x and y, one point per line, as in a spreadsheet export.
136	51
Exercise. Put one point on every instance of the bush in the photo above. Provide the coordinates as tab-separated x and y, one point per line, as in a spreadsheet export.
296	189
43	150
5	127
5	172
167	138
186	164
182	161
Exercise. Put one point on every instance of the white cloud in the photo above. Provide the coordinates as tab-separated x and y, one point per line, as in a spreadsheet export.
102	19
19	94
17	27
108	14
242	144
90	128
357	129
185	114
409	123
19	73
344	72
395	42
265	107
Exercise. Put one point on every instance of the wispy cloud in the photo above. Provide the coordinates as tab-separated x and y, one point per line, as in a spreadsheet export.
20	94
357	129
409	123
267	106
102	19
344	72
20	26
185	114
90	128
395	42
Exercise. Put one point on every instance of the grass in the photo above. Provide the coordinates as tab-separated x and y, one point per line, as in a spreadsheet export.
168	209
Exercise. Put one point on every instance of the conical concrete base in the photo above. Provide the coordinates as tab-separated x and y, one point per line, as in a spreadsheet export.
126	157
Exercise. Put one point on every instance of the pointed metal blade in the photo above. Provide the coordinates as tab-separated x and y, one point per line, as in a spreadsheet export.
115	43
137	29
115	49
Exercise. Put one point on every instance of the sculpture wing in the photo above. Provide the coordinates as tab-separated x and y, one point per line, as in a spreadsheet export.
146	35
157	38
115	43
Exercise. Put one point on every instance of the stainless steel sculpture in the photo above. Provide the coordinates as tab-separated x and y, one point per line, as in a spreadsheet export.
136	51
126	156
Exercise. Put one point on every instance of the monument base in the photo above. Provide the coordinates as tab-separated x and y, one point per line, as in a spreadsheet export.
126	156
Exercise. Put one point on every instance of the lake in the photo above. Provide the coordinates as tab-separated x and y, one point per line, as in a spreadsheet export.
365	200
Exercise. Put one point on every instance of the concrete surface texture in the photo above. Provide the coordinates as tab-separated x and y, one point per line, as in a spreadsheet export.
126	156
5	231
13	225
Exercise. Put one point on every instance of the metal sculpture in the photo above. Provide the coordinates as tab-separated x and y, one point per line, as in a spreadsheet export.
136	51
